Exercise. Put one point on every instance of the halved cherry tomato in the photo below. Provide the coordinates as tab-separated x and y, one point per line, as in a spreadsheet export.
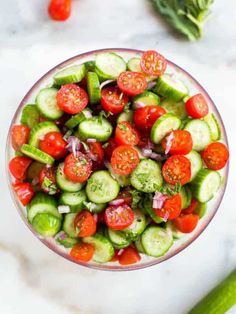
24	192
177	169
124	159
191	208
125	133
85	224
215	155
145	117
59	10
19	136
115	257
82	252
126	196
111	145
186	223
72	99
118	217
132	83
18	166
77	168
153	63
47	180
113	100
54	145
181	144
196	106
129	256
98	152
171	208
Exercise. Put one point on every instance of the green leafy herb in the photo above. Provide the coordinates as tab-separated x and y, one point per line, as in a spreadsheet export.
90	206
122	127
136	198
186	16
104	114
49	186
105	145
127	107
170	189
67	135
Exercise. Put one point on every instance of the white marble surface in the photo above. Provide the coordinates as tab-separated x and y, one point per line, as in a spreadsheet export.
32	278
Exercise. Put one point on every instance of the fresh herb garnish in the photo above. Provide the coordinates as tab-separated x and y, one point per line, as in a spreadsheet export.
127	107
170	190
49	186
136	198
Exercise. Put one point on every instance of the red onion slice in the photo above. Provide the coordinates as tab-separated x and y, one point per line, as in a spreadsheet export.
73	145
61	235
139	104
106	83
91	140
120	252
169	140
117	202
158	200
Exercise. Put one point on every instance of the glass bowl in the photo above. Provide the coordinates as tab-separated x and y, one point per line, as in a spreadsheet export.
179	245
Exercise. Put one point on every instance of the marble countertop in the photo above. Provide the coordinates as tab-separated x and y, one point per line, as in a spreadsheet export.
34	279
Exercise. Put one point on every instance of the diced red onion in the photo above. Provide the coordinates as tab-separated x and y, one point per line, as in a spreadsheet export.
139	104
117	202
120	252
95	216
146	152
48	166
156	156
169	140
92	156
158	200
106	83
166	216
61	235
87	114
35	181
91	140
150	144
151	84
73	145
63	209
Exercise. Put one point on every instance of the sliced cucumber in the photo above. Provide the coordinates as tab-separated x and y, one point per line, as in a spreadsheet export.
186	197
77	119
134	65
139	245
40	130
200	133
104	250
170	87
118	239
205	185
67	242
147	206
175	233
42	203
68	225
148	98
72	74
177	108
30	116
147	176
64	183
46	103
122	180
214	126
89	65
73	199
196	163
94	208
97	127
156	241
164	125
101	187
36	154
201	209
137	226
93	87
46	224
125	116
109	65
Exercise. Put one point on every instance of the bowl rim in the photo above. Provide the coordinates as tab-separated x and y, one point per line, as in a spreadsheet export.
106	267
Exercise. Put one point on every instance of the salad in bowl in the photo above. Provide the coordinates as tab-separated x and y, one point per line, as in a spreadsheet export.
117	159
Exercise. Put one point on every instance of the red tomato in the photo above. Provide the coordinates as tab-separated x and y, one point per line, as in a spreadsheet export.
72	99
59	10
186	223
145	117
79	168
177	169
125	133
129	256
85	223
54	145
124	159
110	147
153	63
18	166
98	152
82	252
192	207
19	136
113	100
215	155
196	106
126	196
24	192
115	257
171	208
118	217
132	83
47	180
181	144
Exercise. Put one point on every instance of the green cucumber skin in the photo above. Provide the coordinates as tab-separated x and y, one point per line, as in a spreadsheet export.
76	77
220	299
89	65
37	154
213	123
68	225
68	242
77	205
30	116
107	72
41	129
93	87
148	98
63	183
46	224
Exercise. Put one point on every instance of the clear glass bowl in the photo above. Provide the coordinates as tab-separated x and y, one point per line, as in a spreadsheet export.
179	245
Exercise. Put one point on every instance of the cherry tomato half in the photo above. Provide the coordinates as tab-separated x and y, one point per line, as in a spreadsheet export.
24	192
132	83
124	159
47	180
118	217
77	168
177	169
125	133
196	106
98	152
153	63
85	224
129	256
191	208
113	100
171	208
186	223
19	136
111	145
54	145
181	144
82	252
215	155
126	196
145	117
18	166
59	10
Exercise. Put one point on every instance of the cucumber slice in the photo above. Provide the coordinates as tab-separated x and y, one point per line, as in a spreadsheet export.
147	176
46	103
101	187
170	87
89	65
72	74
30	116
139	245
201	209
97	127
176	108
148	98
68	242
125	116
147	206
109	65
137	226
186	197
46	224
77	119
205	185
34	170
104	250
122	180
200	132
93	87
94	208
164	125
40	130
73	199
214	126
37	154
175	233
196	163
42	203
134	65
118	239
68	225
156	241
64	183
